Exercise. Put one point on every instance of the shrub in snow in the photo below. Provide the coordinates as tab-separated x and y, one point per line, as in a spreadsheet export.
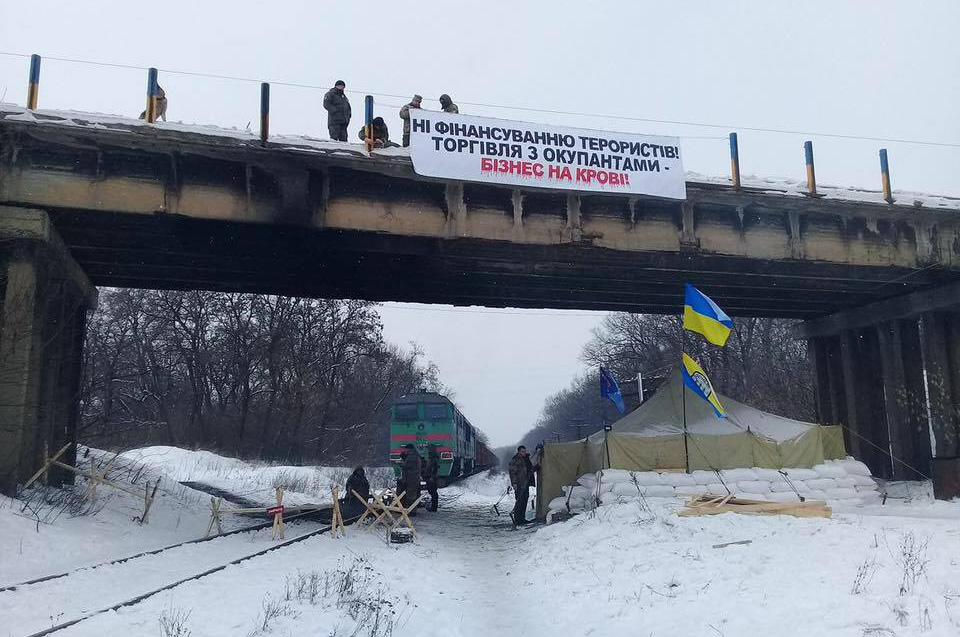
830	471
736	475
677	479
801	474
754	486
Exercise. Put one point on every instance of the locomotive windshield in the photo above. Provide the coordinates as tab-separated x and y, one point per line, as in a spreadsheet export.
405	412
436	412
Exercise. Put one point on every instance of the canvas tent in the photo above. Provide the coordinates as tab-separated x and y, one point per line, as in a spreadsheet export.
651	438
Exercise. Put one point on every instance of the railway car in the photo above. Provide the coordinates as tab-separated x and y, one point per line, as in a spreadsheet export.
428	418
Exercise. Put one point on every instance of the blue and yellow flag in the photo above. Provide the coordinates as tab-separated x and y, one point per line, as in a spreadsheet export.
702	315
610	389
696	379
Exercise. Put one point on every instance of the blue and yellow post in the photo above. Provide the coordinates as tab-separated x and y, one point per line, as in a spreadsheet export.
734	161
811	173
264	112
368	120
885	176
33	88
151	111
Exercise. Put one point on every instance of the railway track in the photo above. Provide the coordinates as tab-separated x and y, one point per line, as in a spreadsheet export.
28	604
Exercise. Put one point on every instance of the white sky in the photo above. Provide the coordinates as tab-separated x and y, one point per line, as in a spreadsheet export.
880	69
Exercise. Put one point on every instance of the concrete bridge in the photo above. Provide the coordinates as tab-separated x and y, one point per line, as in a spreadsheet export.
89	200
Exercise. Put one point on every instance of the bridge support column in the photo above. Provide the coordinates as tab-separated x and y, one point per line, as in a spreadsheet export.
45	297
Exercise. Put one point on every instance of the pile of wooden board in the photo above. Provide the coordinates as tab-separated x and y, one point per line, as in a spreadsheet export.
714	505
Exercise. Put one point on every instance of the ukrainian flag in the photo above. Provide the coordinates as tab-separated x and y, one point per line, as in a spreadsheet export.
696	379
702	315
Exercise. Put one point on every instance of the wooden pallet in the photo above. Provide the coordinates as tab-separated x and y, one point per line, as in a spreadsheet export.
716	504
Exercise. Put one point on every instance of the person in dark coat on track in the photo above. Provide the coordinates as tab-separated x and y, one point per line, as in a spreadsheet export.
520	473
411	475
447	105
356	482
338	111
431	475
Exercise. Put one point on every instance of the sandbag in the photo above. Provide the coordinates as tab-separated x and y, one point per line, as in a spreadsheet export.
821	484
658	491
829	471
647	478
754	486
841	494
613	475
753	496
862	488
781	487
815	495
736	475
769	475
625	488
557	503
715	488
846	482
677	479
610	498
861	480
703	477
588	480
577	492
690	489
853	467
801	474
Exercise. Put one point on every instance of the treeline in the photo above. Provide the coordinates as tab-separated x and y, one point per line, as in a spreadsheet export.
761	365
295	380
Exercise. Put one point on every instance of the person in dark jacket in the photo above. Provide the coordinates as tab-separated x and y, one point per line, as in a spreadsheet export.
520	471
411	475
431	475
447	105
356	482
405	116
381	135
338	111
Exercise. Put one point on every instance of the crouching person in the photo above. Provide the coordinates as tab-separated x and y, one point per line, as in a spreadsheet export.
357	482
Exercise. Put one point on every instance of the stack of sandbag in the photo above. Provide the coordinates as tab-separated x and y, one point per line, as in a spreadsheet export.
834	480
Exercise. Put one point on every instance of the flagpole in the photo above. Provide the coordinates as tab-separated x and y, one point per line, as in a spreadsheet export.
683	399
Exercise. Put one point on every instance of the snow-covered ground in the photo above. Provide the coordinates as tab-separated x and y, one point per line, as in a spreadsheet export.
624	569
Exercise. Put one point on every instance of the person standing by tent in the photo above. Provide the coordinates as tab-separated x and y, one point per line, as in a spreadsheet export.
338	111
521	471
431	474
411	475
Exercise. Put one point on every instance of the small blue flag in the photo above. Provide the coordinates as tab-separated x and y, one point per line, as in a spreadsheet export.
610	389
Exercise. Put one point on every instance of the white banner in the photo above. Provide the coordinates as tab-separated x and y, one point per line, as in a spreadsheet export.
500	151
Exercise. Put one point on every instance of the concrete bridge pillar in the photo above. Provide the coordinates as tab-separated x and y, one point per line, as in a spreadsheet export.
45	298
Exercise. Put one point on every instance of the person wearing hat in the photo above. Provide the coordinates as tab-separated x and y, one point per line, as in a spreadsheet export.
447	104
338	111
405	116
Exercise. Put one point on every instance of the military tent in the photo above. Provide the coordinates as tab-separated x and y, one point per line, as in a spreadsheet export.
651	438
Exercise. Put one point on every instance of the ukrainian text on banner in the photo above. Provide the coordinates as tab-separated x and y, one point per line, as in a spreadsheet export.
499	151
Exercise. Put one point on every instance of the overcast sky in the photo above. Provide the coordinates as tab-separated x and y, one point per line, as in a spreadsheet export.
876	69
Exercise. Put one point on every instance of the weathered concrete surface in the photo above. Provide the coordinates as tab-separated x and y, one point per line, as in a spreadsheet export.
45	297
153	206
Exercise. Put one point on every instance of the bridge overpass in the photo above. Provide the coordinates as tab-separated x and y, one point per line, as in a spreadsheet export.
90	200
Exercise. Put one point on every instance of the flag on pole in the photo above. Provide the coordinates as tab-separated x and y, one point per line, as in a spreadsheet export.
696	379
610	389
702	315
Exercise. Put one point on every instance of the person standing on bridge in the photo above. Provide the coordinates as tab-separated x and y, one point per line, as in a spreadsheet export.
521	470
447	105
405	116
338	111
431	475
